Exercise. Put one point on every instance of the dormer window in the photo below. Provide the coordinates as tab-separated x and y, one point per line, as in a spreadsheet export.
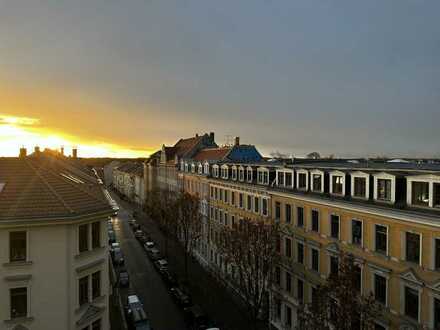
241	173
337	183
317	181
280	178
182	166
423	191
186	167
224	171
234	173
193	168
263	175
206	170
200	169
360	185
215	171
249	174
384	187
289	179
302	182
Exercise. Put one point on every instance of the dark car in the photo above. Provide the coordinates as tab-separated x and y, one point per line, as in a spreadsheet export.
118	257
154	254
111	237
138	233
180	297
195	318
149	245
136	316
135	226
124	279
169	279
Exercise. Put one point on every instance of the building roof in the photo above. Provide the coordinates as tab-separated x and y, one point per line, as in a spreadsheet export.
212	154
183	146
44	187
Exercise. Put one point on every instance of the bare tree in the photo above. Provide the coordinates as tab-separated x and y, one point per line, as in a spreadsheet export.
189	223
250	249
338	304
314	155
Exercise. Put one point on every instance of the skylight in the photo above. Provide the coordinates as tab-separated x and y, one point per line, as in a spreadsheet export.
71	177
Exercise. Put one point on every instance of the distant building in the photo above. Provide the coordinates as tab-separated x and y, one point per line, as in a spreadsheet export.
108	172
128	180
53	246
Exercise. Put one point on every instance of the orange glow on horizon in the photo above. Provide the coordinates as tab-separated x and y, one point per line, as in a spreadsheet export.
17	132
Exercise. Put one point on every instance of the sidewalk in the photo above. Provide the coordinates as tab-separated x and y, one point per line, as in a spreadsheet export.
223	306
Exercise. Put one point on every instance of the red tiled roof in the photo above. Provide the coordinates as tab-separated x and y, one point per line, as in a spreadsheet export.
212	154
44	187
185	145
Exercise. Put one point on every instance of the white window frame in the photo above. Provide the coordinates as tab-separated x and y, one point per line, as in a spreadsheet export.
311	259
27	245
351	232
385	176
234	173
193	168
249	170
186	167
321	173
344	177
225	172
302	171
16	285
330	226
200	168
265	214
206	168
403	246
415	287
430	179
262	170
364	175
433	256
375	272
241	173
215	170
388	238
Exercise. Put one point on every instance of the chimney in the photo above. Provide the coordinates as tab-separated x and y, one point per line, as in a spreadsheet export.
74	152
23	152
197	134
237	140
211	137
62	150
37	149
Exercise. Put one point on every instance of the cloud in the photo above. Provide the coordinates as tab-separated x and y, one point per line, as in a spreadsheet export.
18	121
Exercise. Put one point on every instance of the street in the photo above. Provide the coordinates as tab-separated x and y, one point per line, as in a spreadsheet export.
144	280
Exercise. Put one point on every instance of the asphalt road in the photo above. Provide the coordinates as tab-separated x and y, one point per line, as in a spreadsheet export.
144	279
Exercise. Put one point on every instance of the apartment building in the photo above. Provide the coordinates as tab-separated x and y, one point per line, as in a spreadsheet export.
128	180
53	246
386	214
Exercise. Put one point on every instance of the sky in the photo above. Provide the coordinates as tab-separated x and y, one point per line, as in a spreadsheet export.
121	78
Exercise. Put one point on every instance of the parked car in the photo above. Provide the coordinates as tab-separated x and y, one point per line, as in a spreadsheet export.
149	245
124	279
132	222
181	298
114	246
154	254
195	318
111	237
169	279
144	238
138	234
136	316
161	265
118	256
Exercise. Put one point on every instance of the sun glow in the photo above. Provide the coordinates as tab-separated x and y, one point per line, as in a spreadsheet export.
17	132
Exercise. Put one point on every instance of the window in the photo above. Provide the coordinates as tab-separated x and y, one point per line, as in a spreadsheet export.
226	196
316	182
437	253
264	202
436	313
411	303
300	254
302	181
256	204
288	179
315	260
278	275
240	200
288	282
249	202
83	290
384	189
277	210
436	197
288	247
413	247
232	197
300	293
249	175
83	237
96	284
96	325
96	235
288	317
334	265
241	174
356	232
17	246
278	244
18	302
357	278
420	193
234	173
337	184
277	308
300	216
315	220
280	178
381	239
334	226
288	210
360	187
380	289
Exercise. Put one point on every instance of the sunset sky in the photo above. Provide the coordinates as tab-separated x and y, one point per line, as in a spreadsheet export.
119	78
